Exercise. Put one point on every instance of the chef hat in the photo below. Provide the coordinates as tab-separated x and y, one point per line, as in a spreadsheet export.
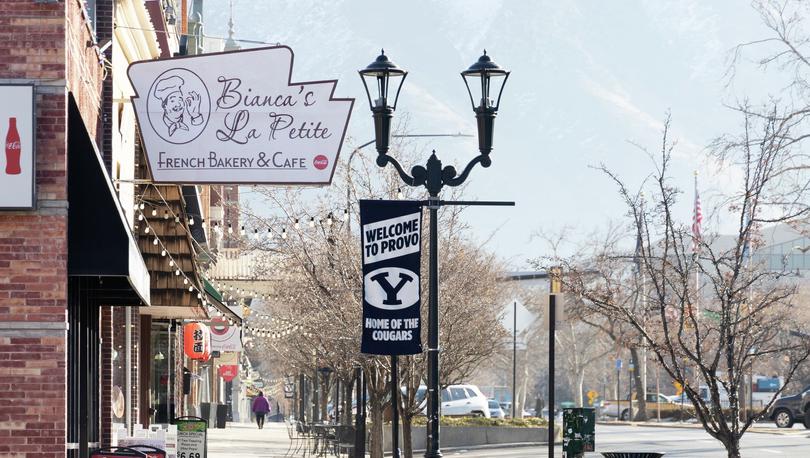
168	85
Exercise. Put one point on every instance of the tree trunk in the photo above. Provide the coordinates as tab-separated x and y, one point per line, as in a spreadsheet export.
732	445
407	434
376	411
580	386
348	413
641	404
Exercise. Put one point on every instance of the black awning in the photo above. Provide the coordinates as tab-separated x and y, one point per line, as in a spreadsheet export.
194	210
100	243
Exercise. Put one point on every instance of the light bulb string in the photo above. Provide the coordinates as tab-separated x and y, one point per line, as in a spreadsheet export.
173	263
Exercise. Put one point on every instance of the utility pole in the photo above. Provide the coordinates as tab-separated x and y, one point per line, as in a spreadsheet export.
514	356
555	287
619	388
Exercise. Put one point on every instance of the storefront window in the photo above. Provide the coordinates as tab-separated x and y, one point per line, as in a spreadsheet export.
162	380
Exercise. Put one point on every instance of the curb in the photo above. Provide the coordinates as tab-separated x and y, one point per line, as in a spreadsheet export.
488	446
755	430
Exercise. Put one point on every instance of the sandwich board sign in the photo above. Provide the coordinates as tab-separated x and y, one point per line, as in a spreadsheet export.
237	117
192	437
392	250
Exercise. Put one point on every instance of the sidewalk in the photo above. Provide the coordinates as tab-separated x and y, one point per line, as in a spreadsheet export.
241	440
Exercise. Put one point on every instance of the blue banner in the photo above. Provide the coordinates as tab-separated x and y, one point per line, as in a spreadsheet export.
392	250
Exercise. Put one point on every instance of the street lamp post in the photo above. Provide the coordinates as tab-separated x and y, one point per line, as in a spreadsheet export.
384	74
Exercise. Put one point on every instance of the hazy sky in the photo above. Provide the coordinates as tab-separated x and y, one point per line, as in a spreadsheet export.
589	78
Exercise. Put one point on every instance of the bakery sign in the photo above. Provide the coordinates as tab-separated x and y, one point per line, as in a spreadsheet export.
237	117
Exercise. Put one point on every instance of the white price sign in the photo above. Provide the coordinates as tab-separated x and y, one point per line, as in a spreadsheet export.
191	439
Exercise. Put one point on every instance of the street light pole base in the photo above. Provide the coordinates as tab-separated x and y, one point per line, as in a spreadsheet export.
436	454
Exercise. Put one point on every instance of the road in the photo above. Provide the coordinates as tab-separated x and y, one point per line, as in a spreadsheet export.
676	442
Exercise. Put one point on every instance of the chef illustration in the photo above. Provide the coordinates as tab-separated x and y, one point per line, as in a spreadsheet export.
179	109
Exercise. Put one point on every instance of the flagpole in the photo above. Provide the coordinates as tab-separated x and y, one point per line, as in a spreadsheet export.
697	235
698	220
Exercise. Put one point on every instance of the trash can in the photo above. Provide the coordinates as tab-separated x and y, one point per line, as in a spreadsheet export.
205	411
579	431
222	415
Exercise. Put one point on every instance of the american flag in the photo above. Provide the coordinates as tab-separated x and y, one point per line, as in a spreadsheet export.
697	219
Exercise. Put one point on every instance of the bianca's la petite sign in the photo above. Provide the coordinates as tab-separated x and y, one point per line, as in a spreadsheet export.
237	117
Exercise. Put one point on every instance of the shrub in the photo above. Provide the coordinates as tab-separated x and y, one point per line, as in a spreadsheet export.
531	422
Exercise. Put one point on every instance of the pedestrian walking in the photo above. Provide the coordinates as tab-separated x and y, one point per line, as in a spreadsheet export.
260	407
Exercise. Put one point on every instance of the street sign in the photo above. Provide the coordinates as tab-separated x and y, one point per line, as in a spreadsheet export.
678	387
618	364
237	117
631	367
392	250
592	395
192	437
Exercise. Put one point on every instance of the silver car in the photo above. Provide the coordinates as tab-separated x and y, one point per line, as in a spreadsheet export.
495	410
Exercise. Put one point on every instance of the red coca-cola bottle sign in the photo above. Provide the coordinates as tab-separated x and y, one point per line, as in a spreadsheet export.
13	149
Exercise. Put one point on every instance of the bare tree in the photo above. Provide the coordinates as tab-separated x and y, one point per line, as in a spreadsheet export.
740	311
308	247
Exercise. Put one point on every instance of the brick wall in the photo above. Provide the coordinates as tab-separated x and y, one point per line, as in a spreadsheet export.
43	43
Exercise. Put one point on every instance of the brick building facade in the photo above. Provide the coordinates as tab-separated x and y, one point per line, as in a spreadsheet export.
79	331
44	44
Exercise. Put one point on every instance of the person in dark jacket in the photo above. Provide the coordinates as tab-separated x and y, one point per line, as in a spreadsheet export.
260	407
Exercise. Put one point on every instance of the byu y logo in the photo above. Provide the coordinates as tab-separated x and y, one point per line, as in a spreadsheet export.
391	288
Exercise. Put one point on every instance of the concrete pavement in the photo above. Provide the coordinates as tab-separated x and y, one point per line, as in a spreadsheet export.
241	440
246	441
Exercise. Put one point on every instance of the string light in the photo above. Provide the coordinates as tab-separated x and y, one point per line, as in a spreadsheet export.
329	220
284	233
399	193
155	242
312	221
147	229
230	228
297	224
154	212
163	253
242	230
191	221
165	214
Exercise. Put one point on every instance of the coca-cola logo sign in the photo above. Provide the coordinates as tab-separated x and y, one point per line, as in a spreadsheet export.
237	117
320	162
18	158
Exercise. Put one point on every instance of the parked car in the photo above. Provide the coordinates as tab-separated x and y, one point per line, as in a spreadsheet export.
495	410
507	409
614	408
787	410
705	395
459	400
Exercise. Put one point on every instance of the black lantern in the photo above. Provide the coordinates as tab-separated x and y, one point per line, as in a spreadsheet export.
488	73
383	73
